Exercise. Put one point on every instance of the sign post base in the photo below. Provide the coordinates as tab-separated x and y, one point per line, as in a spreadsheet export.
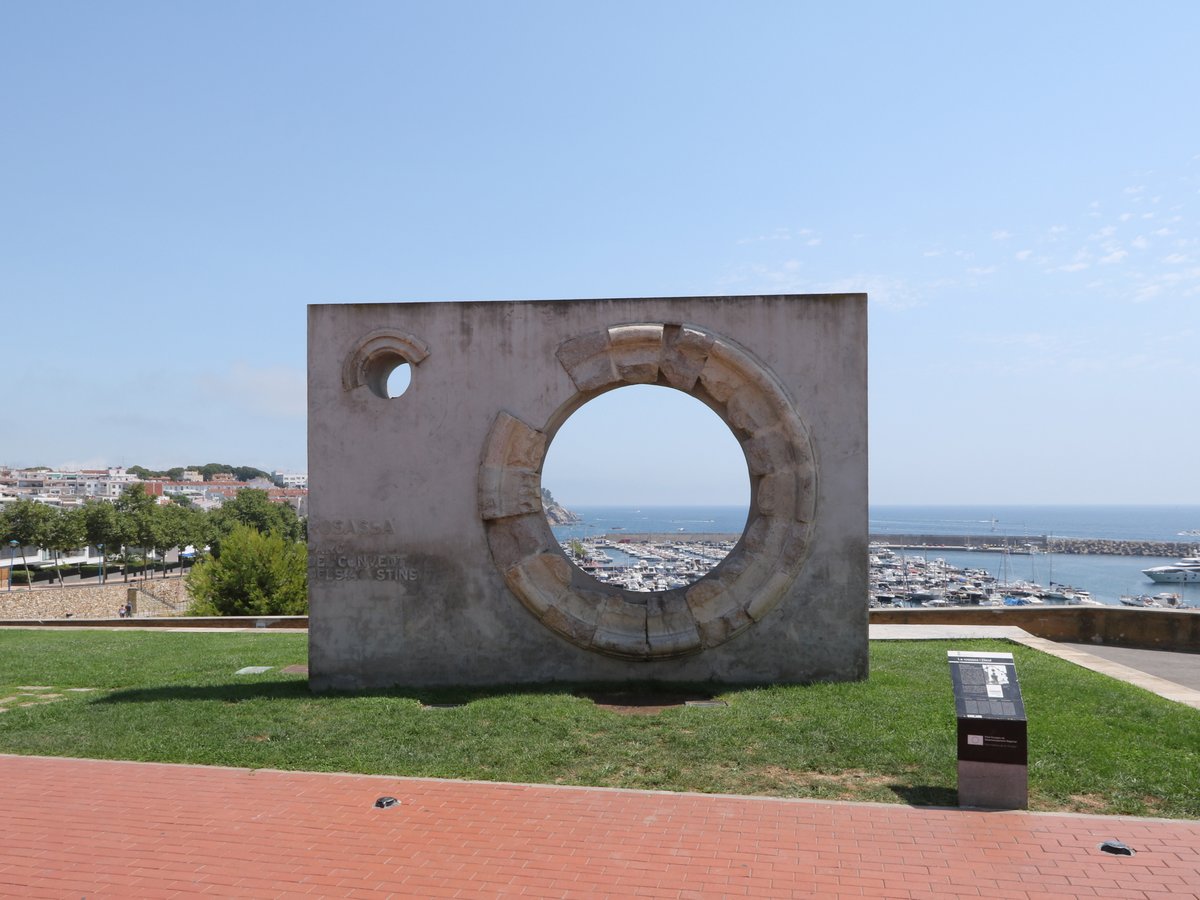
984	785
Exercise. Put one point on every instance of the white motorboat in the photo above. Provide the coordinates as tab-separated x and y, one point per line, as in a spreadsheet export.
1186	570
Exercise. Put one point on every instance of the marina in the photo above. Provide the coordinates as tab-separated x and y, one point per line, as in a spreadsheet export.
898	579
649	563
1105	560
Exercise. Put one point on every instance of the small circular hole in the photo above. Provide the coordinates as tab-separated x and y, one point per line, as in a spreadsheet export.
398	380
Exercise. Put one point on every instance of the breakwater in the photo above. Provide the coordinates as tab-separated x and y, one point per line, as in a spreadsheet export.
669	537
1038	544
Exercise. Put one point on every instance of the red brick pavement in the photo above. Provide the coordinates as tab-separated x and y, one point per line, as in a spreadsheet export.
90	828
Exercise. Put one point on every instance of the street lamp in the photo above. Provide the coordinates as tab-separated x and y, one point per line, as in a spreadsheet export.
100	547
12	552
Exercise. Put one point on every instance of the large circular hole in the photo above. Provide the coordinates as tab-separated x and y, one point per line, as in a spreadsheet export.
659	485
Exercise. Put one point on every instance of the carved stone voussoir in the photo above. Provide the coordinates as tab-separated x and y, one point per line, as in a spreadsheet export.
621	628
767	451
777	495
685	351
538	584
670	628
720	378
588	361
730	624
752	410
636	352
769	595
511	442
512	540
507	492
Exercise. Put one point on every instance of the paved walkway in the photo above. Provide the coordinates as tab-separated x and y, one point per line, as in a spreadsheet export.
1181	668
85	828
1175	676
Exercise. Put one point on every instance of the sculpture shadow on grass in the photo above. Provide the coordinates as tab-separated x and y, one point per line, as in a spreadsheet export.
258	688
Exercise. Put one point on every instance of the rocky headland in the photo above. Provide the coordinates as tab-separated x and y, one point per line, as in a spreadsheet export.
556	513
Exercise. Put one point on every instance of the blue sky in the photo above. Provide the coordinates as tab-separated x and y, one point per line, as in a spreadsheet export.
1017	187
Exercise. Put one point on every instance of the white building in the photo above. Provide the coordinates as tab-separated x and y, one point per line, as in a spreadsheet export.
290	479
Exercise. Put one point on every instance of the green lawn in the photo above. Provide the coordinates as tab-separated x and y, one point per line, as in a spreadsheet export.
1095	744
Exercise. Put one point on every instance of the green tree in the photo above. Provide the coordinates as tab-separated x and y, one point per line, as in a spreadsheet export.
253	508
249	473
208	470
65	530
26	522
101	529
177	526
256	574
137	519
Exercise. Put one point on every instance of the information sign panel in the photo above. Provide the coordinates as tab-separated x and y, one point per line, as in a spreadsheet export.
991	714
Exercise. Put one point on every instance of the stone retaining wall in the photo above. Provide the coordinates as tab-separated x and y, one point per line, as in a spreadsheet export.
157	597
1146	629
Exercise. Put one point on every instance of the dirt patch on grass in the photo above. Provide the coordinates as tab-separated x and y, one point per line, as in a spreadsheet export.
850	783
1088	803
642	703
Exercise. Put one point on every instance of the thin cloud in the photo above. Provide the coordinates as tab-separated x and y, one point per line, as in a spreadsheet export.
779	234
277	392
885	292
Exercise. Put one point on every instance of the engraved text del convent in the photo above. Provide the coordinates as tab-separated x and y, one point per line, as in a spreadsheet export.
336	564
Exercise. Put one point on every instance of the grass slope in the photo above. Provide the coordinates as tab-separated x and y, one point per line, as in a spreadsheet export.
1096	745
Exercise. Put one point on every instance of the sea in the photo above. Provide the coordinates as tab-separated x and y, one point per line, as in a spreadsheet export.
1106	577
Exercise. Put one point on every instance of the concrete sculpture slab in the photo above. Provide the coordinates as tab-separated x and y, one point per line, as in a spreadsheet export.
430	558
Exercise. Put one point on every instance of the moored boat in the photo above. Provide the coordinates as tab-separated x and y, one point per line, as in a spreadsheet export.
1182	572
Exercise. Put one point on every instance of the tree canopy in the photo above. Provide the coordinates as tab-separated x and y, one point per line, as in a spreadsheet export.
208	470
256	574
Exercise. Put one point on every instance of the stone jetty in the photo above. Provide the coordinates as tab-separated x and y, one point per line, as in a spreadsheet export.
1039	544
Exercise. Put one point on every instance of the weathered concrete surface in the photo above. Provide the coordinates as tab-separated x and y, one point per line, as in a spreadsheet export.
430	560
